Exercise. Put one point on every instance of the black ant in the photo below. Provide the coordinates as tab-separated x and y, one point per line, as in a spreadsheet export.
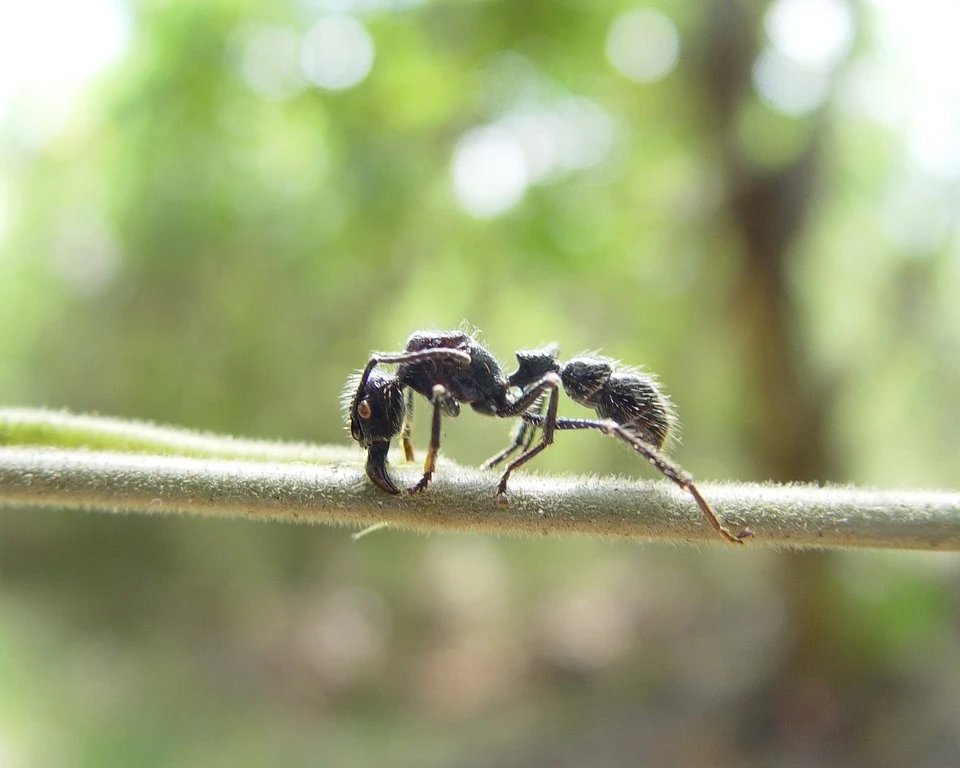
451	367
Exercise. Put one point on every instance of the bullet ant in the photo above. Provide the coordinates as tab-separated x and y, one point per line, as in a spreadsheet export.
451	367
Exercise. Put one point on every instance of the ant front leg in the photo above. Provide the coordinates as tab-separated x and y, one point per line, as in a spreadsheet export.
395	358
407	426
439	398
530	397
669	469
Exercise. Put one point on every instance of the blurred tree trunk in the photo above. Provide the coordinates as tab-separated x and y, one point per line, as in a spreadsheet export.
788	428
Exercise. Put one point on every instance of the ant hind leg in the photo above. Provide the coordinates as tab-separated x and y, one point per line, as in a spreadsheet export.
669	469
679	476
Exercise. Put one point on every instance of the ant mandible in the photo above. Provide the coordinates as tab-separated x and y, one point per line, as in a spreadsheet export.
452	367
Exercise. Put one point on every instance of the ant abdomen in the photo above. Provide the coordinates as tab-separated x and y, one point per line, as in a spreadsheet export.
628	397
634	401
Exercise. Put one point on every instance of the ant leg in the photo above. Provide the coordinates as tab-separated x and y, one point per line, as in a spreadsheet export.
517	437
437	353
669	469
532	430
548	423
393	358
530	402
407	426
430	464
679	476
522	437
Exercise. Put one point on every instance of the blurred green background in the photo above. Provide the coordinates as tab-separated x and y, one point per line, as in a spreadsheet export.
211	212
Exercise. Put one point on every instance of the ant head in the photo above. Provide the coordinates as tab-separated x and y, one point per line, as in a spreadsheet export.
375	410
534	364
374	407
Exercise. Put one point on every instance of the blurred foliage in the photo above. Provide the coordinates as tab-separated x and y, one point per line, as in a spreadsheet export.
210	244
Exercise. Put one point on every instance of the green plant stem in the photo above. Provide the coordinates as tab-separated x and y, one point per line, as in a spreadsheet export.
53	459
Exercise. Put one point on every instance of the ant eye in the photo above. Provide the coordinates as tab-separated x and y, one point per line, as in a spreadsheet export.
363	409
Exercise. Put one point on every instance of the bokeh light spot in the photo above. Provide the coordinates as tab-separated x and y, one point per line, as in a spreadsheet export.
270	63
916	220
585	132
643	45
533	144
6	209
85	253
344	636
787	86
337	53
48	44
816	34
489	171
